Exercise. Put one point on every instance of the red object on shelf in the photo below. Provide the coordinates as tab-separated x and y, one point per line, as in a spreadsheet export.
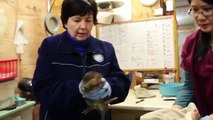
8	69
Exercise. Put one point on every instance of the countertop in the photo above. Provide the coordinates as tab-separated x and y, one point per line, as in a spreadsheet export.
149	104
6	113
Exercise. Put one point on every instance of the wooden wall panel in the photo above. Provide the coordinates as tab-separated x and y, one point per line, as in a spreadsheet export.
7	30
140	12
56	9
32	13
7	49
32	7
35	33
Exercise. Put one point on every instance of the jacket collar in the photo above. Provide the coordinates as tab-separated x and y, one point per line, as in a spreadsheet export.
67	46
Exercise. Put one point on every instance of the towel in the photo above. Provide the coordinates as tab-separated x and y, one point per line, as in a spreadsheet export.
170	114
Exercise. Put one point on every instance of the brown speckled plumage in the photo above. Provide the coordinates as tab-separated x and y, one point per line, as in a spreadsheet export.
92	81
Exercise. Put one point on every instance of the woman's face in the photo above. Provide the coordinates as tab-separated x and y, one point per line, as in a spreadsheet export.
80	26
205	22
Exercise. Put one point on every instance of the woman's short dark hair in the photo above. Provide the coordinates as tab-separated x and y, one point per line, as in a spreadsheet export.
206	1
78	7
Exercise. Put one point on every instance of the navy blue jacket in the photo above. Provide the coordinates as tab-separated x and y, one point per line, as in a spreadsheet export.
59	70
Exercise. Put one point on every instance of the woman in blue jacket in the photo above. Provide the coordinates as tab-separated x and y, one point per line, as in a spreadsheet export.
65	58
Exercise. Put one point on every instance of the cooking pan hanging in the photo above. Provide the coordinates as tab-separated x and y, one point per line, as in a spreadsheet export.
52	23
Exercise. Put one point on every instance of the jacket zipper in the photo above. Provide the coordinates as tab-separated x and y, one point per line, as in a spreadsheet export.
84	63
45	118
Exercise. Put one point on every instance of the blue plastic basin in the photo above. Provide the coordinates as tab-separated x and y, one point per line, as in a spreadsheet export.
170	89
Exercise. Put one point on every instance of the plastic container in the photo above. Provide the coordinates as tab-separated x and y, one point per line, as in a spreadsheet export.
7	93
169	78
8	69
170	89
169	7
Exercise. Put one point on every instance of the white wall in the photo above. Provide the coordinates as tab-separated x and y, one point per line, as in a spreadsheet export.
186	26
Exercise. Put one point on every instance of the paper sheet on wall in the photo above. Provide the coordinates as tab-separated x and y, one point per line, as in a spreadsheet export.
20	37
168	43
142	45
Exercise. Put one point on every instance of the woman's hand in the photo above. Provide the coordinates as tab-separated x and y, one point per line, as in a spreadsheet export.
195	115
177	107
211	116
99	93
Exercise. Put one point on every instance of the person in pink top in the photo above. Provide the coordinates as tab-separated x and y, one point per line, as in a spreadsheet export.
197	62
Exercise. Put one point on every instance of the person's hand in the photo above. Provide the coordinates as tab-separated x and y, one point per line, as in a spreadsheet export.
177	107
195	115
97	94
211	116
